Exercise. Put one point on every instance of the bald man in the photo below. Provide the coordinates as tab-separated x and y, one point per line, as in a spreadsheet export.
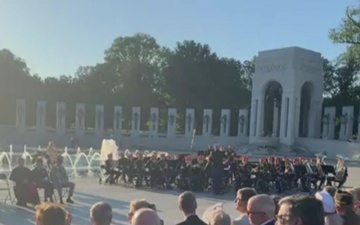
146	216
261	210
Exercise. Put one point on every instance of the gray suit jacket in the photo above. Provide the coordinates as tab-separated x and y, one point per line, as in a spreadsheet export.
243	220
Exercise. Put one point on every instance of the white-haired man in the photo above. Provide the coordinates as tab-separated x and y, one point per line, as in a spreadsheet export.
261	210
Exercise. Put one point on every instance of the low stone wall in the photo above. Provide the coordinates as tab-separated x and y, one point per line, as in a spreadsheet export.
332	147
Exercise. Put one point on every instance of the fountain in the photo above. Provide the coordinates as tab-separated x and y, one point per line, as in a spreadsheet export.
5	161
91	152
75	164
81	162
27	156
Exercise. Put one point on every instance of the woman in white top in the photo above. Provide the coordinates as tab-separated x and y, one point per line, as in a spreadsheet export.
331	217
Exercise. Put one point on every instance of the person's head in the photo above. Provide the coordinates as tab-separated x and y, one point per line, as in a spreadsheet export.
344	202
110	156
21	161
276	200
101	214
139	204
39	163
50	214
242	197
260	208
300	210
146	217
356	194
187	202
331	190
220	218
51	144
59	160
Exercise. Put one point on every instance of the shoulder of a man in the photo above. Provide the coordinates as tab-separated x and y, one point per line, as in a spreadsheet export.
242	220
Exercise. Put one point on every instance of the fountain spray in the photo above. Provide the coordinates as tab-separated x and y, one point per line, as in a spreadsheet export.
192	140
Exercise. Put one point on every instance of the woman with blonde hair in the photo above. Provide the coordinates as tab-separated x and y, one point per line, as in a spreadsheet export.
139	204
331	217
52	214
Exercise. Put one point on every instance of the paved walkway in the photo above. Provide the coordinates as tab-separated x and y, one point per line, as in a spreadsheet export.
88	191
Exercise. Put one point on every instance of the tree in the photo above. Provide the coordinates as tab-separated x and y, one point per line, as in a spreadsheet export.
349	33
138	61
15	83
341	81
329	82
349	30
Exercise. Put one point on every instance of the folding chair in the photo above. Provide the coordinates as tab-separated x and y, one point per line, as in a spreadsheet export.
65	191
6	187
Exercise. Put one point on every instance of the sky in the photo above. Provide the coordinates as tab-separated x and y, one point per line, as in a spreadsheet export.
55	37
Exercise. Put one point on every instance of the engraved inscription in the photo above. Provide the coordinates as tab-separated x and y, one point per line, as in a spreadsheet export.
308	66
268	68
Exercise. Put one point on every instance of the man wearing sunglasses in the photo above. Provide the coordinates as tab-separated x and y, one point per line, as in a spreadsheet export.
261	210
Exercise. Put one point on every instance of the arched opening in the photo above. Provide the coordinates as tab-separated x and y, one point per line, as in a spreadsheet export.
272	109
305	107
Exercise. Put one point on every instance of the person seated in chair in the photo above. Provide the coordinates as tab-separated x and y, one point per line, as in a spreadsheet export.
113	173
25	190
41	178
60	179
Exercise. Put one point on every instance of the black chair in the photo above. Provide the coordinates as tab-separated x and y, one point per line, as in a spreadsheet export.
6	188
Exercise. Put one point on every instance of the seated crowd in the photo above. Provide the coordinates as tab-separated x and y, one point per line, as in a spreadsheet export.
219	170
51	177
327	207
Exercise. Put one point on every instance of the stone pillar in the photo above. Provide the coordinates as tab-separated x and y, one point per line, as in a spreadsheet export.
314	119
275	131
41	117
331	111
135	124
80	120
99	120
358	134
171	124
117	120
284	118
154	122
207	122
325	125
346	120
260	118
243	122
225	123
20	115
255	120
60	118
189	122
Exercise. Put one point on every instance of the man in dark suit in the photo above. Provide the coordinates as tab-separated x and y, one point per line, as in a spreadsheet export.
188	205
261	210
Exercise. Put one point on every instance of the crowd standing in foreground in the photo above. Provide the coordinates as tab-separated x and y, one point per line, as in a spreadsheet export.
253	208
